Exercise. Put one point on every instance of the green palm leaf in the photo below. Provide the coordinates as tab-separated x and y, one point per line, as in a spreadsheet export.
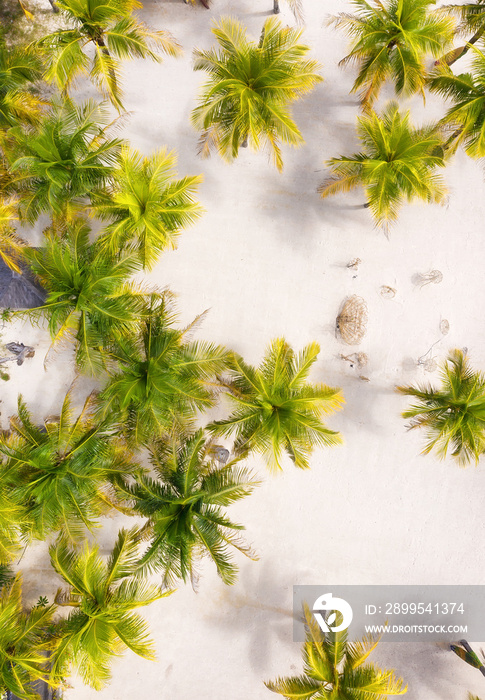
392	40
109	26
90	298
334	669
250	87
146	207
466	116
452	416
161	379
103	624
397	163
276	410
19	69
58	164
25	643
182	507
60	474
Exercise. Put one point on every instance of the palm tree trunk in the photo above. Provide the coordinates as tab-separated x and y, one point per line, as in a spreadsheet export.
276	7
244	142
450	140
466	48
54	6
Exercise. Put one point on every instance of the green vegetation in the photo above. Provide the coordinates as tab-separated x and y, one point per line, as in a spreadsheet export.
146	207
453	415
397	163
466	117
392	40
61	472
183	507
110	28
276	410
24	643
251	85
144	444
337	668
104	596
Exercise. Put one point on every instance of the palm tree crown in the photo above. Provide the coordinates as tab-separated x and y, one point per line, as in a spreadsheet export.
163	378
277	411
18	69
335	668
184	509
392	40
467	115
397	163
58	164
147	207
61	471
452	416
90	299
251	85
104	595
110	27
24	642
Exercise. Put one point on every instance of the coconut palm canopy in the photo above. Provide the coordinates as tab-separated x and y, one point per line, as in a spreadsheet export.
56	165
452	415
184	504
145	205
19	68
397	163
60	472
24	641
161	377
277	411
251	85
104	595
91	299
392	40
109	27
472	19
466	116
335	668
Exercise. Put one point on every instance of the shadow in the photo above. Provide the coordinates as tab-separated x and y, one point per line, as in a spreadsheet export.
258	607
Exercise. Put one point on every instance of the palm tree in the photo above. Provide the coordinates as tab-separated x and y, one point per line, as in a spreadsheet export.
25	640
397	163
472	19
109	28
294	5
104	595
184	509
18	69
467	115
11	246
337	668
90	299
163	378
391	40
453	416
61	471
58	164
13	516
250	88
146	206
277	410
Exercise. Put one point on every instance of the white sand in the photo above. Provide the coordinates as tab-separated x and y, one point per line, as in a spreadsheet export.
269	259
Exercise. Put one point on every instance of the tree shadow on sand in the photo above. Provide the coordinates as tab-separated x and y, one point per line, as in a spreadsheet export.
258	608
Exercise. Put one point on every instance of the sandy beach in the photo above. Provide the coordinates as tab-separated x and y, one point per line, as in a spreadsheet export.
269	259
